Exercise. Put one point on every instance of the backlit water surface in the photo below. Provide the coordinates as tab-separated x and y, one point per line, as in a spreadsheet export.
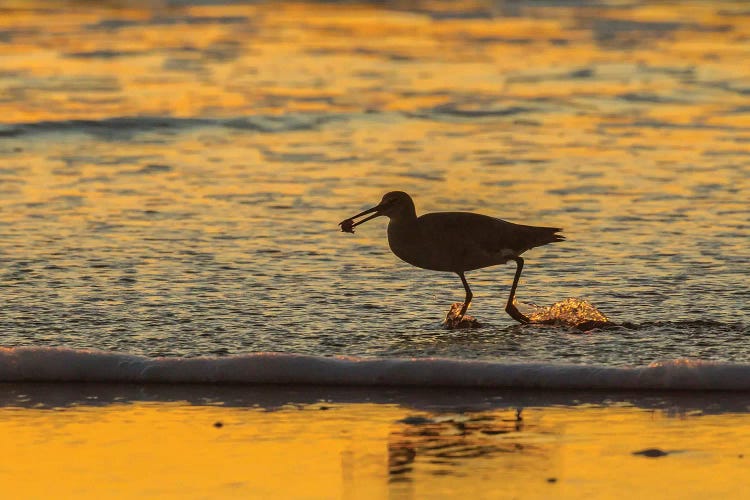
171	174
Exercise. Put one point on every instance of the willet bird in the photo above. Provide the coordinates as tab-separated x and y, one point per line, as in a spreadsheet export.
455	241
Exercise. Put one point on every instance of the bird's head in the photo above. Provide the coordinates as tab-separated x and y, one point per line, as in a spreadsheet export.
394	205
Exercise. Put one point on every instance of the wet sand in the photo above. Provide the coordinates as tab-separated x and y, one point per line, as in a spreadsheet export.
213	442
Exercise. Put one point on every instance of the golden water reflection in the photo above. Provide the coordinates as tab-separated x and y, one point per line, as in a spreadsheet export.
364	450
172	175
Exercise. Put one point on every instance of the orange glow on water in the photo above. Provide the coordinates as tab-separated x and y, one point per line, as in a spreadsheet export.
626	124
299	57
368	451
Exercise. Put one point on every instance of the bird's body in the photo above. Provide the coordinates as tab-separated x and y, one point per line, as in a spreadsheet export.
462	241
456	241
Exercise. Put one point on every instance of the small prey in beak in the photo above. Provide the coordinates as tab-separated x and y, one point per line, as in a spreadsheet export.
348	225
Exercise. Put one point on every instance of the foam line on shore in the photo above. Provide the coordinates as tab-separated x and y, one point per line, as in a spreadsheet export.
38	364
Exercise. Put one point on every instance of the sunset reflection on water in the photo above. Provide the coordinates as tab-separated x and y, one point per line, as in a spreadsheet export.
367	450
171	177
172	174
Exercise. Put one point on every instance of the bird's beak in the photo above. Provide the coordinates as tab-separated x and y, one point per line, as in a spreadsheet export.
349	224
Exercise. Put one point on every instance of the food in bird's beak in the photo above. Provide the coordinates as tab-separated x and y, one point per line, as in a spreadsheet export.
347	226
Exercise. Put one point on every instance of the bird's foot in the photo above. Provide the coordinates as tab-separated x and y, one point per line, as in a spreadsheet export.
455	320
516	314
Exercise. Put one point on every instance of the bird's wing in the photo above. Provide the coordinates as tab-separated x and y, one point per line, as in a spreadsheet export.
490	234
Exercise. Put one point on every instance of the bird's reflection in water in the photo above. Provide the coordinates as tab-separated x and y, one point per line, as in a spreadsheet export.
441	444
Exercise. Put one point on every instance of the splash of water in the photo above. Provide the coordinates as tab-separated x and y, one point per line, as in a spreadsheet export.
572	312
575	312
453	322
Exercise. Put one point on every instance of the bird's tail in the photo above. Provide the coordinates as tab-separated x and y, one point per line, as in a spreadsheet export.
537	236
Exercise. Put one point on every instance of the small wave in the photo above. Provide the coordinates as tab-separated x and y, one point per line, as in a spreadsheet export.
135	124
471	111
36	364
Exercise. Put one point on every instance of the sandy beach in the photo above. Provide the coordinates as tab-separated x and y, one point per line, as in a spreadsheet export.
95	440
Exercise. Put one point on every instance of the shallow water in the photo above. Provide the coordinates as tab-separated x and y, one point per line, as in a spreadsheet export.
171	175
95	441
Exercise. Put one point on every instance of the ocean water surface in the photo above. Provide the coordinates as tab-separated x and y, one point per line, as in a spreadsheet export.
172	175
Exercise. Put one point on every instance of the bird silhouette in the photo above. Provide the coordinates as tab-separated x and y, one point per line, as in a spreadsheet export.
456	242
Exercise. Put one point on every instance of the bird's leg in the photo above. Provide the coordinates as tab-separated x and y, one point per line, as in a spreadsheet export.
510	308
469	295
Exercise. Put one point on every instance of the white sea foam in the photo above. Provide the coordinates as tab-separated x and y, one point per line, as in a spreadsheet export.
34	364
